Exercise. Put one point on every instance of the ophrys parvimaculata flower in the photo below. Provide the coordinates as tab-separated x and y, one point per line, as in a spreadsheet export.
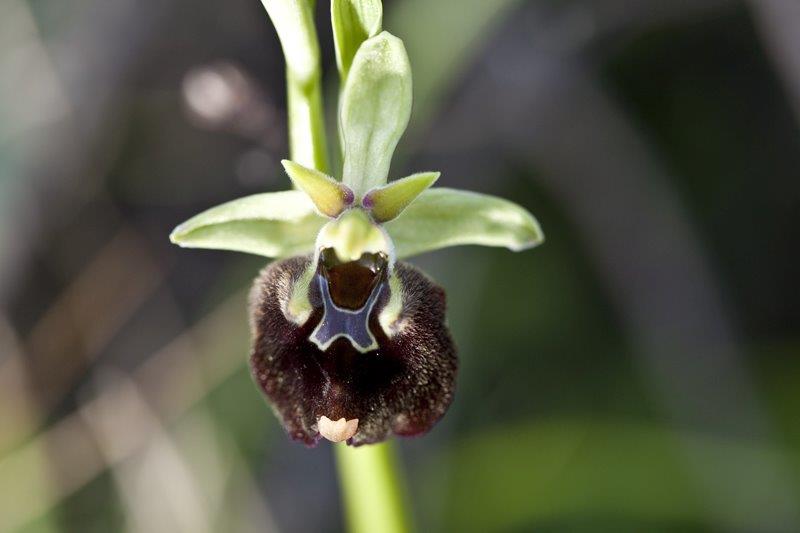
350	342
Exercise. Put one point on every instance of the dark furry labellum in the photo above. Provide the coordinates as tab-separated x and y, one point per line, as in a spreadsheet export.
339	374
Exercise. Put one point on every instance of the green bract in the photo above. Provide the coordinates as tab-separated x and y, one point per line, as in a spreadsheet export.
402	218
354	21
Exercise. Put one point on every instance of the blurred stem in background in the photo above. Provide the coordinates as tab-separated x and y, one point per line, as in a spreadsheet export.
368	476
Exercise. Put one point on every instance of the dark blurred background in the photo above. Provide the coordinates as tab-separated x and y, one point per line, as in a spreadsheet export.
640	371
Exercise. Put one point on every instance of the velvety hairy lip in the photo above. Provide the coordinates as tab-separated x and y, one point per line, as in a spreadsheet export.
403	387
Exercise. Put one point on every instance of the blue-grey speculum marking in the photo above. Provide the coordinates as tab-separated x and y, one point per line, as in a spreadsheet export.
338	322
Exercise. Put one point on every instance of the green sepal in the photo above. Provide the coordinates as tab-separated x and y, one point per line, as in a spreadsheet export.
443	217
387	202
375	108
276	224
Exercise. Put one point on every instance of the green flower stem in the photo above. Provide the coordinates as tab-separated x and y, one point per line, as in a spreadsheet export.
307	144
372	489
294	23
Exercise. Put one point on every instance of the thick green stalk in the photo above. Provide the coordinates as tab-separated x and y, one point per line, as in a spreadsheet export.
372	489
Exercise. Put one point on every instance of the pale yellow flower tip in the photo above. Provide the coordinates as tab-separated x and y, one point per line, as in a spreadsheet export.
339	430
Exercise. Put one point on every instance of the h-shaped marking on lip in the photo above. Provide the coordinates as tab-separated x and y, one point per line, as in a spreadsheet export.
337	322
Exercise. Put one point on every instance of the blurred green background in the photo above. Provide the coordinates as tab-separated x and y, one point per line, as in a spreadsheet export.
638	372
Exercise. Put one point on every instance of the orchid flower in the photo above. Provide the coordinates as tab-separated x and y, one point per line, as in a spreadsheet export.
350	342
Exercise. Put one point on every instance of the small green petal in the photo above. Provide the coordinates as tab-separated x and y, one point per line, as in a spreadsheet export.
275	224
448	217
329	196
375	108
354	21
386	202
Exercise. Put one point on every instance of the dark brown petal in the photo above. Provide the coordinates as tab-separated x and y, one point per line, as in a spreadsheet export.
404	387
